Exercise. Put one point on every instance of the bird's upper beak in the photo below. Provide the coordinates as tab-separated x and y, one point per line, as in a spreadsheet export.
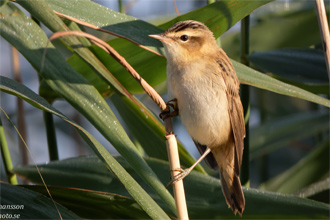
160	37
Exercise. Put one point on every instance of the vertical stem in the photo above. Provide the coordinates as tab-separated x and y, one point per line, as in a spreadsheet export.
178	189
324	29
245	96
50	127
176	8
174	160
6	157
245	38
120	6
21	125
51	136
75	135
263	162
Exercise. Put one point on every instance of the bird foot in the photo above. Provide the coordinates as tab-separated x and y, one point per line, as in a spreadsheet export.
167	113
182	174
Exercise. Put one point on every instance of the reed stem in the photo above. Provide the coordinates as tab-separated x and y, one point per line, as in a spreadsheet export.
245	97
51	136
8	165
324	30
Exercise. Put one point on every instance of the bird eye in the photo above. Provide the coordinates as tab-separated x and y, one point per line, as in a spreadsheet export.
184	37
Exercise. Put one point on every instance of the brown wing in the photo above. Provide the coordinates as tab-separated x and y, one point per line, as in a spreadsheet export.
235	105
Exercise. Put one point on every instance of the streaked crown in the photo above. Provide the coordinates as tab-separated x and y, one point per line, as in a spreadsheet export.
186	26
187	38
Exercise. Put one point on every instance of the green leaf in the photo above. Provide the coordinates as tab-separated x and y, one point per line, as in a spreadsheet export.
294	179
148	65
60	76
26	204
153	144
134	189
303	66
89	173
129	27
89	73
121	24
91	204
316	89
44	13
204	196
274	134
254	78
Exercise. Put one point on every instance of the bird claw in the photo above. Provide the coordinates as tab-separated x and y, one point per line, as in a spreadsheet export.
173	103
182	174
167	112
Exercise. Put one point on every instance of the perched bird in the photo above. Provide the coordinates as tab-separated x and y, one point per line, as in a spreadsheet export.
205	91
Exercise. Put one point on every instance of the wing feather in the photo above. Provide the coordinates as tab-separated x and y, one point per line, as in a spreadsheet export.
235	107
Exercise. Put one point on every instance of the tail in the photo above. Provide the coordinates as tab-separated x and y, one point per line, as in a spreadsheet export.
226	158
233	193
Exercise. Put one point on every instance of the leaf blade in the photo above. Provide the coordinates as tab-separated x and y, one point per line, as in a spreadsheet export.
254	78
301	65
204	197
91	204
30	205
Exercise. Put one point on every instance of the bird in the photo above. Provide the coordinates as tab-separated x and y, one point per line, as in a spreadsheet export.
204	88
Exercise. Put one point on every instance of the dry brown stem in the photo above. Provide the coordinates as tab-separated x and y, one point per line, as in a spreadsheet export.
20	106
176	8
324	30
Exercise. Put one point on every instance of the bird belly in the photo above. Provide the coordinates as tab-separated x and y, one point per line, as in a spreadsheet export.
203	109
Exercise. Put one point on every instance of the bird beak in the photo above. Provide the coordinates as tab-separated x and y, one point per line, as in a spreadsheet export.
160	37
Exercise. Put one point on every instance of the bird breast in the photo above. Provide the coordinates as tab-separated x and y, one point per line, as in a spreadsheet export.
202	101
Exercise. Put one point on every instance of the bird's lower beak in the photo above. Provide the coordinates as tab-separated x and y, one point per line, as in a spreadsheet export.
160	37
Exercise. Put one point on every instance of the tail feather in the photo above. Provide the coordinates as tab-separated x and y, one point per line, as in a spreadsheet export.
227	160
233	193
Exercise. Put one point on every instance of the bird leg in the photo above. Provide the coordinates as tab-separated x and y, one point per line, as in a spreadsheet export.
167	113
184	173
